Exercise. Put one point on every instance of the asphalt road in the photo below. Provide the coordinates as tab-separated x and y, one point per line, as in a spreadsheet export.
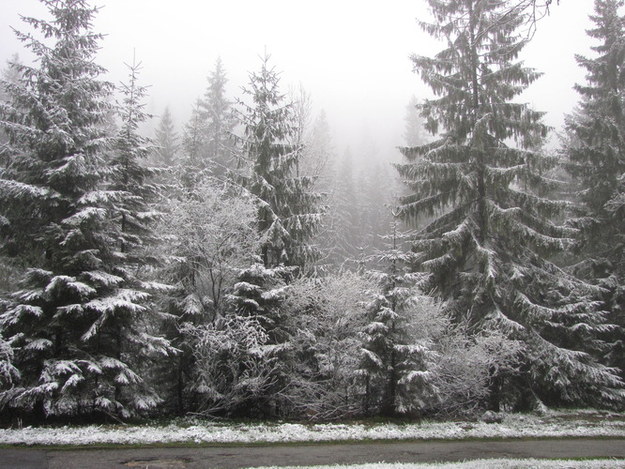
249	456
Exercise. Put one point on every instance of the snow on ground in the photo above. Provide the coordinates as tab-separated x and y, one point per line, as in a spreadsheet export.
482	464
554	424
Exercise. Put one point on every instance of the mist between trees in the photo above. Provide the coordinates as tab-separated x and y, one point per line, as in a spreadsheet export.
239	266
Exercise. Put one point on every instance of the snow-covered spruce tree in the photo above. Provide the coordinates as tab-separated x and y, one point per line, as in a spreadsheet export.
66	322
193	164
8	373
487	251
131	178
258	295
396	356
166	144
133	219
376	189
595	149
288	208
165	157
10	266
340	240
207	143
9	76
219	121
596	131
287	219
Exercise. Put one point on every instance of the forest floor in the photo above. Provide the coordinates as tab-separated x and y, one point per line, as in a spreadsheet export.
580	439
193	431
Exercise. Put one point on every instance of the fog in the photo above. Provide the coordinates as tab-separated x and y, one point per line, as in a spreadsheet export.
351	56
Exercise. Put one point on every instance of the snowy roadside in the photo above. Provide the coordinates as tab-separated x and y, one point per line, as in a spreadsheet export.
552	425
481	464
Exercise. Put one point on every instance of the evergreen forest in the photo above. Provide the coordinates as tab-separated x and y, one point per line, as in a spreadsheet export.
236	267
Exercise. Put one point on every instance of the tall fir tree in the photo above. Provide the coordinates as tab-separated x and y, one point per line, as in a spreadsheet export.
377	193
166	145
343	242
596	130
220	121
595	152
287	219
66	321
10	76
208	144
288	208
133	219
9	265
318	162
130	175
487	251
193	164
396	356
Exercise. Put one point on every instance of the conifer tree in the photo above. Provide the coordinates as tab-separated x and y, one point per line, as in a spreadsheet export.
594	149
288	211
193	162
218	115
75	306
208	144
596	141
10	75
133	219
376	193
487	251
166	141
259	296
596	130
344	242
318	162
286	221
396	357
9	265
131	177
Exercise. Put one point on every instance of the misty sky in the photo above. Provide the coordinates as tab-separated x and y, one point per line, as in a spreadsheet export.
352	56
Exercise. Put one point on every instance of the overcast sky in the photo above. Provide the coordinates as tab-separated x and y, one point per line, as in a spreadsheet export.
352	56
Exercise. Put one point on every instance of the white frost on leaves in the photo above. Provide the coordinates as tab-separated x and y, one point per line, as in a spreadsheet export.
97	197
275	294
120	301
20	190
85	215
38	344
246	287
103	278
554	425
61	282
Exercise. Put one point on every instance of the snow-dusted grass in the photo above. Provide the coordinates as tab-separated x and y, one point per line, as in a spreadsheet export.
482	464
554	424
